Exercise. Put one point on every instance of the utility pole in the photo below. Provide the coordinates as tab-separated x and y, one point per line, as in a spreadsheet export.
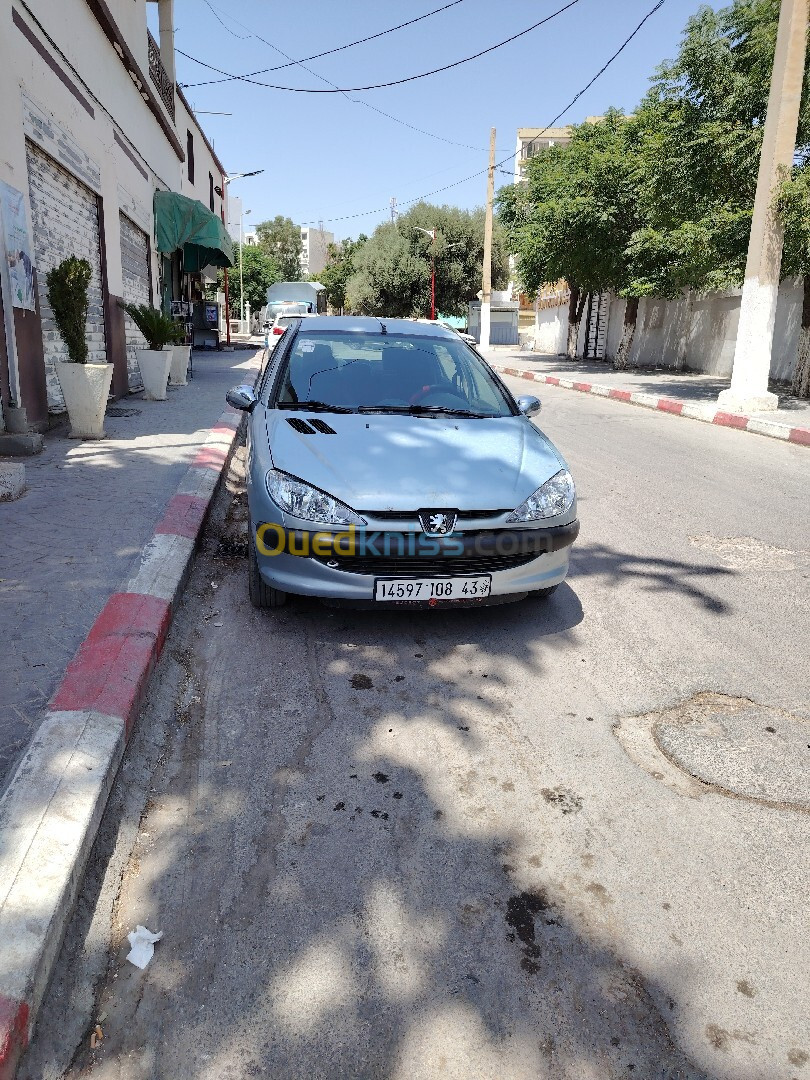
486	290
393	208
752	354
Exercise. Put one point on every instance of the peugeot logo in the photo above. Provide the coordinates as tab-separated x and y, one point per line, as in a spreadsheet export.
437	522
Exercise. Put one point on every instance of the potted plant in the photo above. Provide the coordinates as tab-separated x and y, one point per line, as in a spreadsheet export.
160	331
178	372
85	385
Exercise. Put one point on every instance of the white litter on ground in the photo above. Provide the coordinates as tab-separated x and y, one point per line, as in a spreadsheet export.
143	946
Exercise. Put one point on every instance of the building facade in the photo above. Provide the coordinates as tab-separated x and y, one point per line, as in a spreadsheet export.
314	249
94	132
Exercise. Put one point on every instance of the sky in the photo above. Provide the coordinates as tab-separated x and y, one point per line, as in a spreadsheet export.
327	158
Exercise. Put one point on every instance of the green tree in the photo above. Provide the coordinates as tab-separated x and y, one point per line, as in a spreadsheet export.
393	268
575	216
702	122
340	265
281	239
259	272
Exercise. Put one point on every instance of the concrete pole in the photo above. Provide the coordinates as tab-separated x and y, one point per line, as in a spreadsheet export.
486	290
166	28
752	355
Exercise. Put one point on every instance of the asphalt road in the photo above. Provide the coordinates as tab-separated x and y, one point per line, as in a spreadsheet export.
561	840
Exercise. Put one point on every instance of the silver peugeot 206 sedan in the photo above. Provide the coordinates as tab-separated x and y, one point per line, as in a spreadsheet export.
388	464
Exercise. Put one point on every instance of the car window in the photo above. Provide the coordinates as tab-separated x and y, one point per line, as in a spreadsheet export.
388	372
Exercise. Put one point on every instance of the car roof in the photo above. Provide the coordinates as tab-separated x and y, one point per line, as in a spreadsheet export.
366	324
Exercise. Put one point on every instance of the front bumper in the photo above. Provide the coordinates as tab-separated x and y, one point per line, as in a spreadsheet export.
542	556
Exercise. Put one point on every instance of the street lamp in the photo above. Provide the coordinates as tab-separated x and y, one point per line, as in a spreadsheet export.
432	234
225	181
242	216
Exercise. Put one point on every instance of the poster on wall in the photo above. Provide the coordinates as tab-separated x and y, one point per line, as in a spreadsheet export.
17	247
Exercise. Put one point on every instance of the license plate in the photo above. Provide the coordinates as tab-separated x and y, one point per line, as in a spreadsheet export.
452	588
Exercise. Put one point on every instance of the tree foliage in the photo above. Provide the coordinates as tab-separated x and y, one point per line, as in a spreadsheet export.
392	270
281	240
259	272
662	200
340	265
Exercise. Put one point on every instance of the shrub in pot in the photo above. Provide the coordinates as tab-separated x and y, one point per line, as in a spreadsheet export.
85	385
160	332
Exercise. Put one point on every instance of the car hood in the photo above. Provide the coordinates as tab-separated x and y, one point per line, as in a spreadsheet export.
388	462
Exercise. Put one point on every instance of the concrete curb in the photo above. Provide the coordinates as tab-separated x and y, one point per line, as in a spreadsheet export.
709	414
51	810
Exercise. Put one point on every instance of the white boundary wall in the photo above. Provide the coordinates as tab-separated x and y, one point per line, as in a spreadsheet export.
695	331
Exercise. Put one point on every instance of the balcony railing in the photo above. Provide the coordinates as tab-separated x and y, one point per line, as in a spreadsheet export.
157	71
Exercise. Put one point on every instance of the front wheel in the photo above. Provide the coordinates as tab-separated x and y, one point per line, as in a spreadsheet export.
262	595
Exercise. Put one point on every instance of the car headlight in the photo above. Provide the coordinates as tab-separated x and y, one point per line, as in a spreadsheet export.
310	503
553	498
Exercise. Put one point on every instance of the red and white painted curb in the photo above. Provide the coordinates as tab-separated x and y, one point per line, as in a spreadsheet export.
709	414
51	810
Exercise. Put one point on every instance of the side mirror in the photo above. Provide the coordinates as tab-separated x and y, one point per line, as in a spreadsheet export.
242	397
529	406
267	326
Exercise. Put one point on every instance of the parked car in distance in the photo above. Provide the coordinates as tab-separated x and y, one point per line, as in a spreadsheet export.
280	324
388	464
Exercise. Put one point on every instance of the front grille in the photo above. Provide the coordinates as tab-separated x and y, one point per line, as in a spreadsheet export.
451	565
413	515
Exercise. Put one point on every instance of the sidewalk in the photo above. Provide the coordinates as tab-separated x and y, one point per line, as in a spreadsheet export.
685	393
78	531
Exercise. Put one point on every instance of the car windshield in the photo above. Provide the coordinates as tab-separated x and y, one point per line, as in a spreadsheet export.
389	373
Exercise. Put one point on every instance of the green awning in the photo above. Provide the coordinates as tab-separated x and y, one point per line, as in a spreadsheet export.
185	224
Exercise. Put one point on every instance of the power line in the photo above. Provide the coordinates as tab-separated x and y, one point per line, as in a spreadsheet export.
393	82
356	101
317	56
511	157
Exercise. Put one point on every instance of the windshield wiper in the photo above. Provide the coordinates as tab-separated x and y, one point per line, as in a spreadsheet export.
418	410
312	406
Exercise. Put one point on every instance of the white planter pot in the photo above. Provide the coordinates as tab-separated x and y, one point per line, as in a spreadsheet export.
154	365
85	388
179	368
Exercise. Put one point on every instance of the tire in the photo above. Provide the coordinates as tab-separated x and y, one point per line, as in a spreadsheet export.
262	595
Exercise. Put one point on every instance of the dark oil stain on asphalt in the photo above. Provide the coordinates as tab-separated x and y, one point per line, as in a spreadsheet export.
521	911
361	682
566	800
397	794
340	806
381	814
745	987
380	777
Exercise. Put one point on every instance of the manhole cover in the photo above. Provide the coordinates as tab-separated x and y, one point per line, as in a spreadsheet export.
731	744
117	411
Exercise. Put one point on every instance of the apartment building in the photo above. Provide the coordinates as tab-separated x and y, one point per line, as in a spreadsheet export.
314	249
101	157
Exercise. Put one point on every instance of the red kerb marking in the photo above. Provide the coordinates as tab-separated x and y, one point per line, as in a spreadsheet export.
668	405
585	387
800	435
222	429
209	457
727	419
621	395
553	379
13	1034
184	516
110	671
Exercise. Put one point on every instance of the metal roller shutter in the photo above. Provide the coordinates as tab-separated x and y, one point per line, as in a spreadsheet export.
135	268
65	222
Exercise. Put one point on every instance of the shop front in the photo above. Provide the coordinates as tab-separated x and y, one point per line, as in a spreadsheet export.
193	244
